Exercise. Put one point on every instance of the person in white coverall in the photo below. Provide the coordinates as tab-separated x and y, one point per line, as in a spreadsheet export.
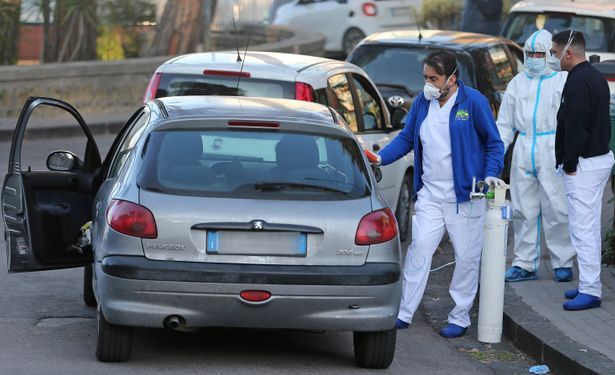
530	106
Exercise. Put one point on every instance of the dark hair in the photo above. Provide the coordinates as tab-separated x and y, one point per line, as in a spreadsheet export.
443	62
577	43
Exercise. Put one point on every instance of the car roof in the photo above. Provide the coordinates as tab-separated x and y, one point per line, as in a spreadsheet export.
437	38
246	108
281	66
598	8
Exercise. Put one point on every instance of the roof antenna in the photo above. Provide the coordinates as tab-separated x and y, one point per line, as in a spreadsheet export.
236	43
418	25
244	59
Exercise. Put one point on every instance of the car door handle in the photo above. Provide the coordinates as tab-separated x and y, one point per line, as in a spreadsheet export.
376	147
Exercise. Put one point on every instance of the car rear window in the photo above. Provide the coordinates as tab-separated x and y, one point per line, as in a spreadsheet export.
390	65
598	32
253	164
190	84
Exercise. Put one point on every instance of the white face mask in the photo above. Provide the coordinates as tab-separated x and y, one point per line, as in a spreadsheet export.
432	92
535	65
555	63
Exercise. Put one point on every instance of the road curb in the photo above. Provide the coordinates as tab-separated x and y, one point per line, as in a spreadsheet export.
60	131
537	337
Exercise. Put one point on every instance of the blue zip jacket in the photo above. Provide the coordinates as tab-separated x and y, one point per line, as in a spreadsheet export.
477	150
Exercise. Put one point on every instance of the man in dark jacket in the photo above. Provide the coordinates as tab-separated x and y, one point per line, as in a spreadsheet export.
583	156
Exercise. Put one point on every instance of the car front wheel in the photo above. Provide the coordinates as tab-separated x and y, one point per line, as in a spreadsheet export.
114	342
352	36
402	212
374	349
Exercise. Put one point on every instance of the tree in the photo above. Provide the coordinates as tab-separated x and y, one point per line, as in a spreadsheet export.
182	27
10	11
71	36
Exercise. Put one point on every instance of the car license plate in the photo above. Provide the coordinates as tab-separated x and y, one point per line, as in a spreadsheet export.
257	243
400	12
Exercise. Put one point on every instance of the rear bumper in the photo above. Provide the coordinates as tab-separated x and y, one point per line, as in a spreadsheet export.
207	295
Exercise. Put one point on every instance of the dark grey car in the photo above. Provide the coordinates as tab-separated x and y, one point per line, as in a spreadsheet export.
215	212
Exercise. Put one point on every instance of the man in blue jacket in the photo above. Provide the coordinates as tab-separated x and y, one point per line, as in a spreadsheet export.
453	134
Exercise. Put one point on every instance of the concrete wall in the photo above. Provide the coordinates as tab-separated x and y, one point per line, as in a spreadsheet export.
115	88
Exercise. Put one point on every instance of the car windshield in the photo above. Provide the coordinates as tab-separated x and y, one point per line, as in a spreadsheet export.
254	165
401	66
598	32
172	84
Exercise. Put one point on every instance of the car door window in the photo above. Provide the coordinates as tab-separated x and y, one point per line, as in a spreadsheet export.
128	143
501	67
341	99
370	105
517	57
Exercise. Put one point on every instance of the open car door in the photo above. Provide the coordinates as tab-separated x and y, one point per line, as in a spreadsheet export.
44	210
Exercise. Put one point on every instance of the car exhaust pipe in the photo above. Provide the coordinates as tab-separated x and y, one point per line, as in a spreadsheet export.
174	322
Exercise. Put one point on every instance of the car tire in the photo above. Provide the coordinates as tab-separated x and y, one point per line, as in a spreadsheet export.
404	206
88	289
352	36
114	343
374	349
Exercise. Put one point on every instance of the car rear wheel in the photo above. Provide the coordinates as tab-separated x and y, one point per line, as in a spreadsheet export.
374	349
88	289
352	36
402	212
114	342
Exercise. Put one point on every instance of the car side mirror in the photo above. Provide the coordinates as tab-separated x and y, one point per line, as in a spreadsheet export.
63	161
377	173
398	118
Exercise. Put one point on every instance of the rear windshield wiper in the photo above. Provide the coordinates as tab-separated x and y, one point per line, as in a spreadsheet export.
274	185
401	87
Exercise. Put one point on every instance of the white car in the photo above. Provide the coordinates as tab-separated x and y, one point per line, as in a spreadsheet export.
595	18
345	22
342	86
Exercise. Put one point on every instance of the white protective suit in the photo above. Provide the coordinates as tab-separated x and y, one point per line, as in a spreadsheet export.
530	106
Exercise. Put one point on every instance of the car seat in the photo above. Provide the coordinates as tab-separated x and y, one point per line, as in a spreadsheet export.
180	167
297	159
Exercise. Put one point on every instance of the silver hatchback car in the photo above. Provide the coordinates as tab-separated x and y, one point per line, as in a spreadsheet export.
215	212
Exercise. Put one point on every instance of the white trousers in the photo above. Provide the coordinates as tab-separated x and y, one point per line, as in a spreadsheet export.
464	224
538	201
584	192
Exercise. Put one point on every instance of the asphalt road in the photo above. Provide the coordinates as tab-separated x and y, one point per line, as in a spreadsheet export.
46	329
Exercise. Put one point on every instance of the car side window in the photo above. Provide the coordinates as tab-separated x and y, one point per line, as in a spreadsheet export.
501	70
128	143
371	107
517	56
341	99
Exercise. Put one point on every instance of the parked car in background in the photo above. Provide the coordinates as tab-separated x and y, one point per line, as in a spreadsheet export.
214	212
595	18
345	22
340	85
607	68
394	61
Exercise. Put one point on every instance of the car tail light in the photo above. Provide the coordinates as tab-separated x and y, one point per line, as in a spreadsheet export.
369	9
131	219
255	295
376	227
303	91
226	73
152	87
262	124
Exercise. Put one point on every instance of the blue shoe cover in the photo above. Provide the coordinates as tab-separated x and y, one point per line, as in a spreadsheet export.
563	274
570	294
400	324
582	302
452	331
519	274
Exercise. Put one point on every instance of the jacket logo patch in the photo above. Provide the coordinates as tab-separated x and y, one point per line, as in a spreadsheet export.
462	115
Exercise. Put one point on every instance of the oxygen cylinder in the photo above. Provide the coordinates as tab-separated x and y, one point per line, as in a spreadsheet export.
493	266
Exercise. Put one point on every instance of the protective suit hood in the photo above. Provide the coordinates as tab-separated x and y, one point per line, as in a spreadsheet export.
539	41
